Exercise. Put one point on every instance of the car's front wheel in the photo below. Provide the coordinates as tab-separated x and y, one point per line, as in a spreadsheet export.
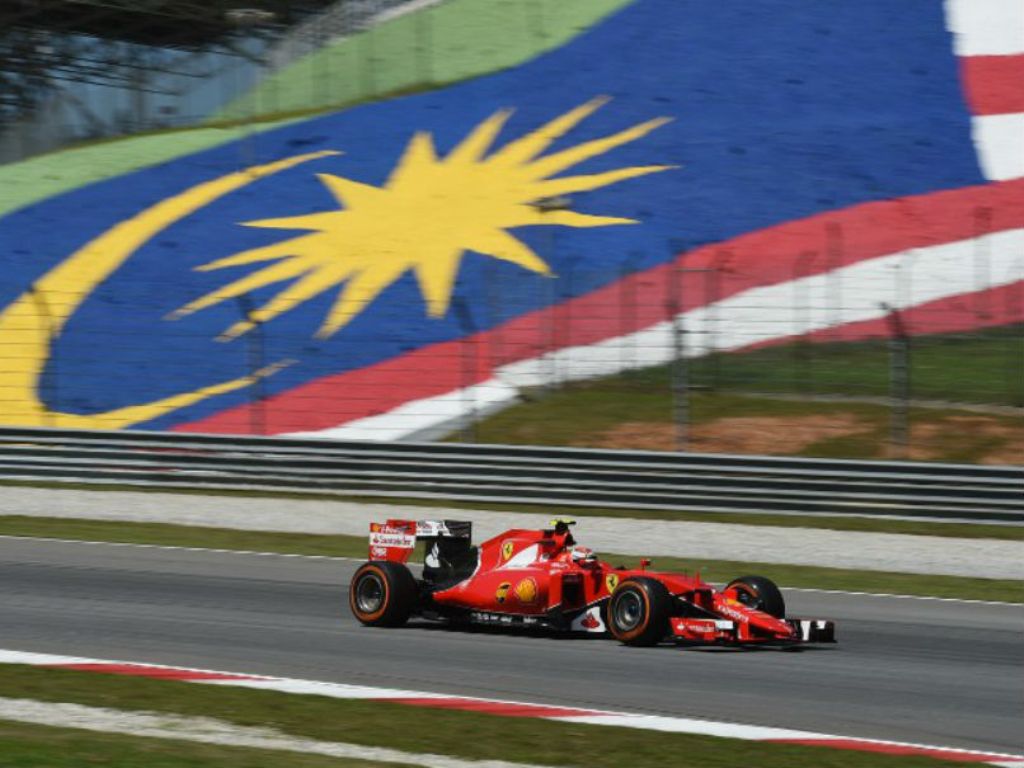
758	593
382	594
638	611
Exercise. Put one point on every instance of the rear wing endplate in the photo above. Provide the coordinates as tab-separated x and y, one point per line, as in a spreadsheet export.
395	540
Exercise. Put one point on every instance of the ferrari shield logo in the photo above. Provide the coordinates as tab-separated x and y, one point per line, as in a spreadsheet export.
611	581
506	550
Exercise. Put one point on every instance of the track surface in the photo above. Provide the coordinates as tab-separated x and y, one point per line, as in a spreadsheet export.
927	671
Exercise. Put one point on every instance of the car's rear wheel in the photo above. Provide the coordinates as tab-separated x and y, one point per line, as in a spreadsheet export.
638	611
758	593
382	594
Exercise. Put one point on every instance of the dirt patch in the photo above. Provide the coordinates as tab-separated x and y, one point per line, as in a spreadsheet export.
986	439
780	435
998	442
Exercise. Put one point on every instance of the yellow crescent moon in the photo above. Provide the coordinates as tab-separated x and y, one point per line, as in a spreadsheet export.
29	325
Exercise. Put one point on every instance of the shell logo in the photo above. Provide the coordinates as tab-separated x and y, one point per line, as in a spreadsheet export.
526	591
506	549
611	581
502	592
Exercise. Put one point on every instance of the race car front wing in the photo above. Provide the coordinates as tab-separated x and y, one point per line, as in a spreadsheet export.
727	631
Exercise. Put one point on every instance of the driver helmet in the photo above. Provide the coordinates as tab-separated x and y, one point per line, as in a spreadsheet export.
582	555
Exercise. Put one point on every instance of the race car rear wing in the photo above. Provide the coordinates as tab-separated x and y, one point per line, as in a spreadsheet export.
395	540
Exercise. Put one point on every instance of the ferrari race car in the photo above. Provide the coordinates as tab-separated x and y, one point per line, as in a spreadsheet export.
543	579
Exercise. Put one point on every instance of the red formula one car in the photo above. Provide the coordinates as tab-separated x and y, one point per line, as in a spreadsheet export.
543	579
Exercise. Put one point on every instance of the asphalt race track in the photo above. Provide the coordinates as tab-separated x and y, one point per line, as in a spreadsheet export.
926	671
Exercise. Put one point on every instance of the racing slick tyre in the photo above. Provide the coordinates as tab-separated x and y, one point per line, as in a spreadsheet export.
759	593
382	594
638	612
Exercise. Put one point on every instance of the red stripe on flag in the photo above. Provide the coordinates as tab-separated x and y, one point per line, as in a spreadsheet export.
994	85
954	314
810	246
504	709
159	673
893	749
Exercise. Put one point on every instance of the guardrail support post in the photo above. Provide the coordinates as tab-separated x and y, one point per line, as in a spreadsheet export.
899	383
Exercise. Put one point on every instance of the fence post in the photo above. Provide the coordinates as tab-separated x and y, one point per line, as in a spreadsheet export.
563	324
899	382
679	371
549	373
537	26
255	354
834	249
1015	315
496	353
802	359
367	64
627	312
467	346
49	379
982	262
712	295
424	46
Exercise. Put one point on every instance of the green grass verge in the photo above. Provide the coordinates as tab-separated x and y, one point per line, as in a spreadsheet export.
461	734
586	414
982	368
716	571
38	178
873	525
43	746
977	367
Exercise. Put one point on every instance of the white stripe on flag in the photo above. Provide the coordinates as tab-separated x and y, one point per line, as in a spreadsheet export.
999	140
986	27
901	280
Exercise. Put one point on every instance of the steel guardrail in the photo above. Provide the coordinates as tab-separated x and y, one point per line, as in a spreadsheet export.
525	474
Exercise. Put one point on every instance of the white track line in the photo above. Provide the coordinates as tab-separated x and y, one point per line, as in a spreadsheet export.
174	548
896	596
339	558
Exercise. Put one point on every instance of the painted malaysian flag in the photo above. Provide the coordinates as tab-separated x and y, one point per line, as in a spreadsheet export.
380	268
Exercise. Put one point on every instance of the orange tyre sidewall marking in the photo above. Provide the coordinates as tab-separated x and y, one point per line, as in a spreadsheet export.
638	630
384	603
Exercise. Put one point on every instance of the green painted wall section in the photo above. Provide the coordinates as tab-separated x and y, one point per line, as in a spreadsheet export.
445	43
457	40
46	175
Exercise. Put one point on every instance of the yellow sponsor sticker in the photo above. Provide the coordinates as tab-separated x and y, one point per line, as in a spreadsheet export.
502	592
611	581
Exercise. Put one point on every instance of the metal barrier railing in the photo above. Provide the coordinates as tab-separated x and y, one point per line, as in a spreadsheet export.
513	474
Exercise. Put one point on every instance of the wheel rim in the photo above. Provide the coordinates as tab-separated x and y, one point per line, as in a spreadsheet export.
629	611
370	593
